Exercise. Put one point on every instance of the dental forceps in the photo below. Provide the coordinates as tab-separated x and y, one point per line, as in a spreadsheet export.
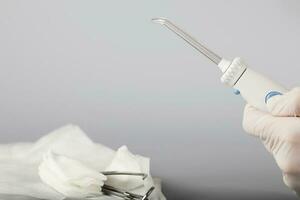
113	191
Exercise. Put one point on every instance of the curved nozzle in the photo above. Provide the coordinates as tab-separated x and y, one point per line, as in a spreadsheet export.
159	20
189	39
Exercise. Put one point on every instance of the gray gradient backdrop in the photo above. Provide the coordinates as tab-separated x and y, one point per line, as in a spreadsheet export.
104	66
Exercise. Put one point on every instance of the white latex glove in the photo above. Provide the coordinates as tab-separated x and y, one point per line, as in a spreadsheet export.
279	131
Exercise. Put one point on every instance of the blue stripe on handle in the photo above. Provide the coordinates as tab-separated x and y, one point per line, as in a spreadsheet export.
271	94
236	92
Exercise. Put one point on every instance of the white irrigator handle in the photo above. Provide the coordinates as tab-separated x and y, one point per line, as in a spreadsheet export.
255	88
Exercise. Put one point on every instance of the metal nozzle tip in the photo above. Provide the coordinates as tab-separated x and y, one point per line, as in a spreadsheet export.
159	20
189	39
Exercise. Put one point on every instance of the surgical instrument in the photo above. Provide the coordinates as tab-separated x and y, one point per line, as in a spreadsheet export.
255	88
113	191
109	173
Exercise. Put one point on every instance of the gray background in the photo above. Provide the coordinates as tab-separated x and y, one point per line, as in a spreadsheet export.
104	66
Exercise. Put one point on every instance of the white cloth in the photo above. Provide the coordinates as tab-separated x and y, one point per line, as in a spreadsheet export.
279	130
19	163
124	161
70	177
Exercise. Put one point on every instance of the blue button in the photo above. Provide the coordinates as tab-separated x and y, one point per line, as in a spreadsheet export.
236	92
271	94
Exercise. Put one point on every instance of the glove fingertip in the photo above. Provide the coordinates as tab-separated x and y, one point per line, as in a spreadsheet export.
275	105
250	110
251	114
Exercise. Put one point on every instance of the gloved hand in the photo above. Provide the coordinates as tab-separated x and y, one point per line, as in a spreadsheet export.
279	131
